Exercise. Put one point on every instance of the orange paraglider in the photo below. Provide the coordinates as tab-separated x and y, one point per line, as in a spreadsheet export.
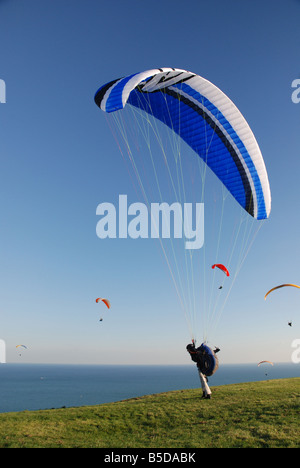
282	286
265	362
106	301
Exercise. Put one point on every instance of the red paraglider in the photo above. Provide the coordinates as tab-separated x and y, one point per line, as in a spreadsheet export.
106	301
221	267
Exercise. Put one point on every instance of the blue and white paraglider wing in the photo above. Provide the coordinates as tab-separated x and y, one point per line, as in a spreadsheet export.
207	120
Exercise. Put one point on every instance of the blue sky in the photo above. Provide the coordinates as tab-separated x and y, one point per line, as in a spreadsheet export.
59	161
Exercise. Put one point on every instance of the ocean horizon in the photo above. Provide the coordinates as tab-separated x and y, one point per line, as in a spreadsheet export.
44	386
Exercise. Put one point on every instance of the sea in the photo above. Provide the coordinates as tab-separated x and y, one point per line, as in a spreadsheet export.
44	386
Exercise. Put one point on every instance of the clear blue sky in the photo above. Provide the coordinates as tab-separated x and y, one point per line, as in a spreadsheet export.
59	161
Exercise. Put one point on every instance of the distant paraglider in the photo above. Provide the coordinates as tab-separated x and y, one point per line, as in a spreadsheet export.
290	323
222	268
263	363
20	350
281	286
106	302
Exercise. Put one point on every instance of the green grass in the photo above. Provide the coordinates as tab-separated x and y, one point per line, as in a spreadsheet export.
264	414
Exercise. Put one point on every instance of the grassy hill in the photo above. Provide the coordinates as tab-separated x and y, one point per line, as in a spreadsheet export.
264	414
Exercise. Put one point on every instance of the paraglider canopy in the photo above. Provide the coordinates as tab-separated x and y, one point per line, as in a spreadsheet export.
199	112
106	301
265	362
221	267
281	286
